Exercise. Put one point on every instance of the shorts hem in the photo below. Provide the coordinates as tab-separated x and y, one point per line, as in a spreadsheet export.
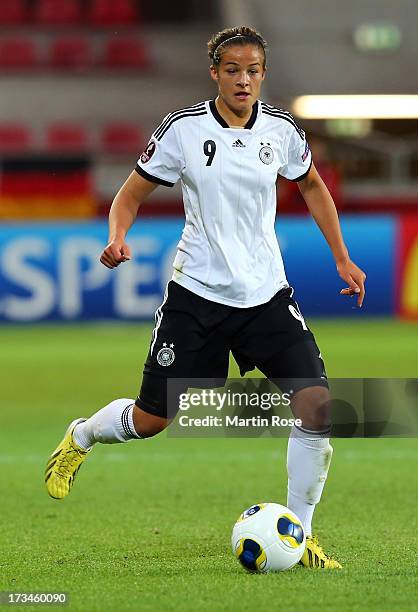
148	408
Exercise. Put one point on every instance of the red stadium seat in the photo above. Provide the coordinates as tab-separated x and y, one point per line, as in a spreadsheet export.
66	137
113	12
58	12
72	52
122	137
14	138
13	12
16	53
126	53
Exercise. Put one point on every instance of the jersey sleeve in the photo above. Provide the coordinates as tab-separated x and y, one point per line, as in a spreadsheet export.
162	160
298	155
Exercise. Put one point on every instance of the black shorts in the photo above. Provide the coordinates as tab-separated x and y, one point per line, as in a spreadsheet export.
193	337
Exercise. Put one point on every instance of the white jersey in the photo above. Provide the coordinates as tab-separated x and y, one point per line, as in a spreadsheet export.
228	252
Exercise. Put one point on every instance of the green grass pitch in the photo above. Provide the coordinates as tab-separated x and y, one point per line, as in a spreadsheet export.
147	526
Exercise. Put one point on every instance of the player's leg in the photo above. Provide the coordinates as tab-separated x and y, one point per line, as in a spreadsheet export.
299	370
280	344
309	455
178	340
309	450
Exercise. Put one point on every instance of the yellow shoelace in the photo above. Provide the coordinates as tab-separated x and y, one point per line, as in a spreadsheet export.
67	462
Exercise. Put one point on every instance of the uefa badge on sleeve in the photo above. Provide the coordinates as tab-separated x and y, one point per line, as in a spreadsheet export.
149	152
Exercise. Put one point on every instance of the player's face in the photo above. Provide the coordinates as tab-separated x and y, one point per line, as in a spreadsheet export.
239	76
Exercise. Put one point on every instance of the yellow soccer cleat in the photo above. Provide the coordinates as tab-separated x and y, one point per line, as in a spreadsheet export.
314	557
64	464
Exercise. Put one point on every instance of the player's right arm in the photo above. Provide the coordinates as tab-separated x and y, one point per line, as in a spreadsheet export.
160	164
122	215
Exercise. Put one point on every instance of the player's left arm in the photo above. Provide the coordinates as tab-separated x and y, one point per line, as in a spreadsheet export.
322	208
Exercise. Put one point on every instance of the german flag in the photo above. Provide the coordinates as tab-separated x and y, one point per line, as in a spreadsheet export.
46	187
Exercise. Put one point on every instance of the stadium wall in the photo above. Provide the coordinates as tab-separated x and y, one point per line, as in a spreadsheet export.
52	271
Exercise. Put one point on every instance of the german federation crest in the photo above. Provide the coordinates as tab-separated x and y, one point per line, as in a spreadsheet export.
266	153
165	355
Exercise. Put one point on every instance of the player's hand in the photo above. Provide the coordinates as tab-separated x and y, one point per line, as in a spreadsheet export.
355	278
115	253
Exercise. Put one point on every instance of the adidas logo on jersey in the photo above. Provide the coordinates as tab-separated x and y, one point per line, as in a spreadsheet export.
238	143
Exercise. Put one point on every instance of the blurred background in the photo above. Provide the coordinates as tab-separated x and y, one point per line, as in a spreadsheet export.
83	85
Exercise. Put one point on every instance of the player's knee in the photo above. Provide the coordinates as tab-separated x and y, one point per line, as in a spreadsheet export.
313	406
148	425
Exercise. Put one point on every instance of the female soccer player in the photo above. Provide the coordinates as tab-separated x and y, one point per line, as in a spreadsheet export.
229	291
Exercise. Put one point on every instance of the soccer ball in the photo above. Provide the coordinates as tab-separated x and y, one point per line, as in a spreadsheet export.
268	538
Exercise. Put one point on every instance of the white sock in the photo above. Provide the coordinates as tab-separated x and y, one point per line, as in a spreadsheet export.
308	459
112	424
